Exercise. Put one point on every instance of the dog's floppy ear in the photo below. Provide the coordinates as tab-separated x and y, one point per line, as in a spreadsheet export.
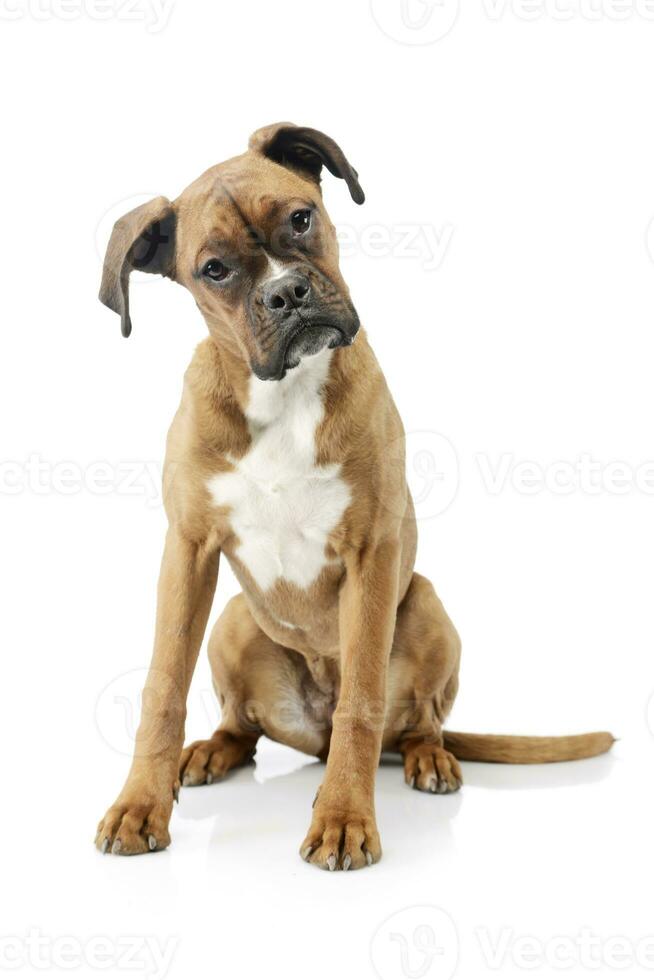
142	239
306	150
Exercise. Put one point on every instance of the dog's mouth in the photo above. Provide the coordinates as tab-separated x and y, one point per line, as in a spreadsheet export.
310	338
308	335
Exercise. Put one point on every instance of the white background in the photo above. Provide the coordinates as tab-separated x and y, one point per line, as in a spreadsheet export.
522	138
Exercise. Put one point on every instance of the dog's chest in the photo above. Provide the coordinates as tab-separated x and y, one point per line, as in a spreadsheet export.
283	506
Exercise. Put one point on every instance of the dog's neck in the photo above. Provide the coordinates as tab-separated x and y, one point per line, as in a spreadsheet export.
262	402
268	401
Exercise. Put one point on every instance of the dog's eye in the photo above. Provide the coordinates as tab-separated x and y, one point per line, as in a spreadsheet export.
215	270
301	221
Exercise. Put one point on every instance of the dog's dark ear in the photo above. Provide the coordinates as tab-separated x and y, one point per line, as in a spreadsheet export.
142	239
307	151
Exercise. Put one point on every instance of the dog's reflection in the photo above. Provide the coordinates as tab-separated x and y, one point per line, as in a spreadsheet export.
259	807
555	775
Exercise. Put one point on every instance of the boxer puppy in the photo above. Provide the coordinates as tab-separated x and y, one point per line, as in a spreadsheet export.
287	456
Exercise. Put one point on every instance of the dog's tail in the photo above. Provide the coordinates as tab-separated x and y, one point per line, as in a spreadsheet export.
522	750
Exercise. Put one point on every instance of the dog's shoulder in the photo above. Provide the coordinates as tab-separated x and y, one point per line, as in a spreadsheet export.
207	430
209	418
205	379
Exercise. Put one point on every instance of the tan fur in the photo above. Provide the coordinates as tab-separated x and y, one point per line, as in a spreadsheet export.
521	750
363	659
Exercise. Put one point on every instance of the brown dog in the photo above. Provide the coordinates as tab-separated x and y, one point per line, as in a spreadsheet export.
287	455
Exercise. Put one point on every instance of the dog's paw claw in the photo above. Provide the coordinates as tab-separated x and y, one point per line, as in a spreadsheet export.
209	760
339	842
431	769
137	827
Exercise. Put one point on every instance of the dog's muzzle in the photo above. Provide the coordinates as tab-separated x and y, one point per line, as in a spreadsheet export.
298	323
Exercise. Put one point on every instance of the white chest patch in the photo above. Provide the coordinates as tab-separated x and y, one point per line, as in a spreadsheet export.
283	506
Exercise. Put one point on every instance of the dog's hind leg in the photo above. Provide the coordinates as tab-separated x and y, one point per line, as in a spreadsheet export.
263	689
423	682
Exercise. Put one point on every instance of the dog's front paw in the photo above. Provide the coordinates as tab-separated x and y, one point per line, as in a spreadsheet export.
341	840
135	824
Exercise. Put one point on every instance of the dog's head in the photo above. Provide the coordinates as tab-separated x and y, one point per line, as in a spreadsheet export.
253	243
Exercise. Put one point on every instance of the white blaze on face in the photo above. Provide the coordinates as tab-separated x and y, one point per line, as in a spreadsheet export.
277	270
284	506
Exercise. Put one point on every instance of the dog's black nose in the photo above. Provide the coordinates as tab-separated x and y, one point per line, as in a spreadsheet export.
288	292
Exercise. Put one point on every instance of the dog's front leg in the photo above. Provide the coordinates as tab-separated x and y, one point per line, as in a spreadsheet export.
138	820
343	832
